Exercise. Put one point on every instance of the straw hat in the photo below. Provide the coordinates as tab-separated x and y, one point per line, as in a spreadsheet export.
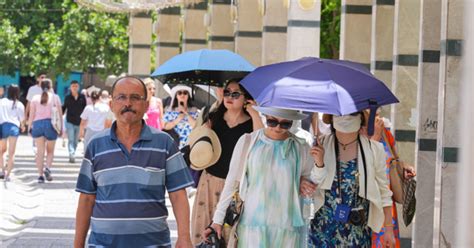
287	114
205	148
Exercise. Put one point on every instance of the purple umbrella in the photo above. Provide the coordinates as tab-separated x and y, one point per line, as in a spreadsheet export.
335	87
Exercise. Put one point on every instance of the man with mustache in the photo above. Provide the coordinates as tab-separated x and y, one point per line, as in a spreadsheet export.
123	178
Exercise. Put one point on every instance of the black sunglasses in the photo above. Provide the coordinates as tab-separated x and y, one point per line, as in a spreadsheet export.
234	95
182	92
283	124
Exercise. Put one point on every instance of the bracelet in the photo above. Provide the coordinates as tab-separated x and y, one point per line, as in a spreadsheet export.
389	225
322	166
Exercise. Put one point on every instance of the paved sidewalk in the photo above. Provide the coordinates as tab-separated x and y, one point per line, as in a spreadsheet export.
43	215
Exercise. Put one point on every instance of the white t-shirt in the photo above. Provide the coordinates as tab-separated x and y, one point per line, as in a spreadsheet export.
11	114
33	91
96	115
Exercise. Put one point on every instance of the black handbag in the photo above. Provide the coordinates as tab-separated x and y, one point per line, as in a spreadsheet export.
234	210
213	241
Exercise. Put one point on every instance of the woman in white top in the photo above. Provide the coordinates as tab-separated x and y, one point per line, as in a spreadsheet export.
12	115
94	118
42	130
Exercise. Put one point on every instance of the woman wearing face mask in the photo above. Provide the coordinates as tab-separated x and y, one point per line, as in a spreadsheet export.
353	200
233	117
271	161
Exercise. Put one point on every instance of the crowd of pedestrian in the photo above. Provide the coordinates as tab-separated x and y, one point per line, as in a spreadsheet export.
137	150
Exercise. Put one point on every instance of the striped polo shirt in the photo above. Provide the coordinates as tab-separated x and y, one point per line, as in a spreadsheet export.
130	208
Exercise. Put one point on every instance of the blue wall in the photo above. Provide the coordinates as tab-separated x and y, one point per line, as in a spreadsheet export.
7	80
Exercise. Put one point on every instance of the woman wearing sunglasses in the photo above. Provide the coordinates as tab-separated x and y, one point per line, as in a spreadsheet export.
271	162
181	115
234	117
354	199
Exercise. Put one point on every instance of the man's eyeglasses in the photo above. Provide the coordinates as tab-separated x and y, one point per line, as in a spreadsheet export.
134	98
283	124
234	95
182	92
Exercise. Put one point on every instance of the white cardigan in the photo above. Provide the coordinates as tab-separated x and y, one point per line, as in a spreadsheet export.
238	165
378	192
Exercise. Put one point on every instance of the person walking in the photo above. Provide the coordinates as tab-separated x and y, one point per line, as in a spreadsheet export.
383	135
42	129
181	115
123	178
33	91
354	199
271	161
74	104
94	118
12	115
154	114
234	117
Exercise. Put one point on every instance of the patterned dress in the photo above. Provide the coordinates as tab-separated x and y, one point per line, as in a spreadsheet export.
183	129
325	230
377	238
272	214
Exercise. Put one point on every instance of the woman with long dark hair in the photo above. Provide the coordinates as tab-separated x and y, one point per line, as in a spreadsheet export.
42	129
234	117
181	114
12	115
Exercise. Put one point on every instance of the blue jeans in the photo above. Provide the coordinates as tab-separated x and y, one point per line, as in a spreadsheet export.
43	128
72	137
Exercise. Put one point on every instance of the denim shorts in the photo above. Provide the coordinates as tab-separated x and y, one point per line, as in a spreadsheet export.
44	128
10	129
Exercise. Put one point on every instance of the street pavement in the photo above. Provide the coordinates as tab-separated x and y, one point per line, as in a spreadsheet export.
43	215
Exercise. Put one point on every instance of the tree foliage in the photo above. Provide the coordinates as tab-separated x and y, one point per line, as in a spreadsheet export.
60	37
330	28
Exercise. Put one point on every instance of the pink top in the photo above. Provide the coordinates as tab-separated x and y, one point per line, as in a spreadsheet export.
154	114
42	112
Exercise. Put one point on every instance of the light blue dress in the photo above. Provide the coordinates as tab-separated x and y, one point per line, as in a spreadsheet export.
272	214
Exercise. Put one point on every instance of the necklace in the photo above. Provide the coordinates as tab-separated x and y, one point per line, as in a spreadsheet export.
345	145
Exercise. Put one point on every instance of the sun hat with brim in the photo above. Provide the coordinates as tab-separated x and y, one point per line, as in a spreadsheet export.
177	88
205	148
287	114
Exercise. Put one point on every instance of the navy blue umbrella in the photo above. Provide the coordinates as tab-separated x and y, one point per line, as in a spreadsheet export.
207	67
335	87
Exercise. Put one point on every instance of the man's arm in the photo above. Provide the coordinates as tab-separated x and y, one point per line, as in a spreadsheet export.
83	218
179	201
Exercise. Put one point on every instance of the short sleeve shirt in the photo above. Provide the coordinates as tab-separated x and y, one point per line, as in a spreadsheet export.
183	129
130	209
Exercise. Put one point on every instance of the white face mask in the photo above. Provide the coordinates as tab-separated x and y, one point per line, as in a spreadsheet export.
347	123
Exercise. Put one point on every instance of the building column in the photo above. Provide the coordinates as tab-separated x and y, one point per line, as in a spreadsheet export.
381	54
465	204
405	76
356	31
448	120
275	21
139	51
167	33
248	35
304	18
426	130
195	32
221	26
